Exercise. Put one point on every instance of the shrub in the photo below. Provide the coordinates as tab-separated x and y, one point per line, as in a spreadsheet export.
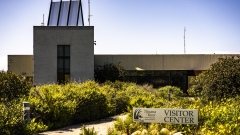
220	117
13	86
117	99
175	92
126	125
109	71
221	80
87	131
11	118
91	105
50	105
36	127
61	105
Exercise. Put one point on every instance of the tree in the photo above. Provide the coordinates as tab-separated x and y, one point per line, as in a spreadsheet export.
221	80
13	86
109	71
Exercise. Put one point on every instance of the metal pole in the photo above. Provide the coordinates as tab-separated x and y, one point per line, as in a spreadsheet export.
89	12
26	111
169	95
184	41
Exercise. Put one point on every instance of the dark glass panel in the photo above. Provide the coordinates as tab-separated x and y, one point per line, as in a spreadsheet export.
73	13
178	78
67	50
63	63
64	13
60	77
60	63
67	64
54	14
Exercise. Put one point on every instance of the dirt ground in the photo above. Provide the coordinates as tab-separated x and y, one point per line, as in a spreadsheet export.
101	126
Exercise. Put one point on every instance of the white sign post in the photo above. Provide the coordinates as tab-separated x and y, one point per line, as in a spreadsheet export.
161	115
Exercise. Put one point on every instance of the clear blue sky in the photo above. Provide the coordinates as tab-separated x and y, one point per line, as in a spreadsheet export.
133	26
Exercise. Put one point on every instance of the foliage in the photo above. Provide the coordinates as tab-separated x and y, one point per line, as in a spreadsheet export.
109	71
174	92
91	105
49	104
87	131
36	127
54	106
221	117
221	80
11	118
216	117
62	105
13	86
125	125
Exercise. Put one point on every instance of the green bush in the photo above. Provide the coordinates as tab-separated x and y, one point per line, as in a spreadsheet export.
36	127
73	103
91	105
11	118
175	92
87	131
218	117
116	97
109	71
125	125
13	86
221	80
50	104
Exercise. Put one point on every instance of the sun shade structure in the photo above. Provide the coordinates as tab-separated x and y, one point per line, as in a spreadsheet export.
66	13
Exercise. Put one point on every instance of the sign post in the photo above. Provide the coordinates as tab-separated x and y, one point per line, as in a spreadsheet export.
161	115
26	111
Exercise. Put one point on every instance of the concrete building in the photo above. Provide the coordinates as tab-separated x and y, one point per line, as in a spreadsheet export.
63	51
158	70
21	65
193	62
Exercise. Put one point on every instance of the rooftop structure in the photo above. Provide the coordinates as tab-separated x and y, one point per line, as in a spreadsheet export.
66	13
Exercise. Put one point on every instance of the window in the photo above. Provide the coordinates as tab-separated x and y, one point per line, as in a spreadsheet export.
63	63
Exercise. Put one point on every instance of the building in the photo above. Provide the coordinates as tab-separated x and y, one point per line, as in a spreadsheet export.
158	70
21	65
63	51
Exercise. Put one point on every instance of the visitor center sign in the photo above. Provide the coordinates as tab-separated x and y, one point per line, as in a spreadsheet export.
161	115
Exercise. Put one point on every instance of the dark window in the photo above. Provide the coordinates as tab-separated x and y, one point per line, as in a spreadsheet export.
63	63
159	78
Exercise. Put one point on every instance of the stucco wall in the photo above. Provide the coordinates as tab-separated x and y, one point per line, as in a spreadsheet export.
81	41
161	62
21	64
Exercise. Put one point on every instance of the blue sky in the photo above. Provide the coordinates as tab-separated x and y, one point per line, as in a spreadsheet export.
133	26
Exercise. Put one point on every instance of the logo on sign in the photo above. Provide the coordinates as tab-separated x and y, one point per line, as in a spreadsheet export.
138	116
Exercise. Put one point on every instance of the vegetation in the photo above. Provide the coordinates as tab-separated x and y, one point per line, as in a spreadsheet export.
13	86
87	131
221	80
109	72
54	106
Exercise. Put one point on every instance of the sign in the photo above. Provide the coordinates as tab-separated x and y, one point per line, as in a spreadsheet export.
161	115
